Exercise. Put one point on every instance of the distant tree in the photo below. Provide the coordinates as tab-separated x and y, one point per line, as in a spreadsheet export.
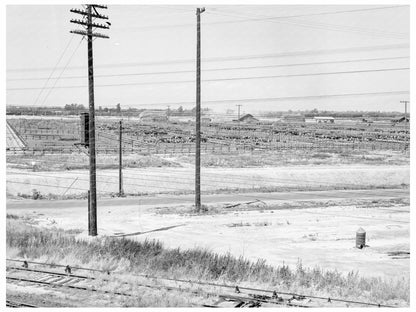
118	108
74	107
180	109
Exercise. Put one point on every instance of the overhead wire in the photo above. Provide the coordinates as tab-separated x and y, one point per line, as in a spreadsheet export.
264	195
53	70
259	18
229	179
239	57
309	24
63	70
217	69
220	79
275	99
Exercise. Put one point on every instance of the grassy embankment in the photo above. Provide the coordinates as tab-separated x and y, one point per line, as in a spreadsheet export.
75	161
150	257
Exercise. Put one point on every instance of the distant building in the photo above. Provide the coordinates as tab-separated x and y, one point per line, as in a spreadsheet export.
153	115
324	119
248	118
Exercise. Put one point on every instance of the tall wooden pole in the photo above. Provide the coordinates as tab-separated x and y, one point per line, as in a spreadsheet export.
405	122
92	196
92	229
198	112
120	163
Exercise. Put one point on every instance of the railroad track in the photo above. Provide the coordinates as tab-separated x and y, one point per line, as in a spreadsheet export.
84	283
15	304
224	295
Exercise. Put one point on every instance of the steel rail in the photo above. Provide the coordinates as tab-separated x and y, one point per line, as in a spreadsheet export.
263	300
19	279
169	288
15	304
221	285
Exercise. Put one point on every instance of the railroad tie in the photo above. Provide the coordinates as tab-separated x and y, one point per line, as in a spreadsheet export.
44	278
54	279
66	281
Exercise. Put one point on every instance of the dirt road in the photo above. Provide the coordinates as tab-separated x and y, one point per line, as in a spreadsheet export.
211	199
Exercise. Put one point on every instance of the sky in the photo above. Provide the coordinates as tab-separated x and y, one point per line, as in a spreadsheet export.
266	58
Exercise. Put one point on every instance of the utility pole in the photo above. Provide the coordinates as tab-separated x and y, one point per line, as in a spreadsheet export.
405	119
120	163
88	15
239	105
405	109
198	112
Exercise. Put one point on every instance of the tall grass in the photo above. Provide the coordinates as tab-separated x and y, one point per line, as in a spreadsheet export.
76	161
150	257
295	157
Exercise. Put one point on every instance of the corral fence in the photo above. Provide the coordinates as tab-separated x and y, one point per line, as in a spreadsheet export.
189	148
51	137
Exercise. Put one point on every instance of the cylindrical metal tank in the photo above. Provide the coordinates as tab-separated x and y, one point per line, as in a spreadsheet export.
360	238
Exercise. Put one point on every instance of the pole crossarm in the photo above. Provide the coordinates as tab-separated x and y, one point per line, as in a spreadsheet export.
100	6
87	24
86	13
85	33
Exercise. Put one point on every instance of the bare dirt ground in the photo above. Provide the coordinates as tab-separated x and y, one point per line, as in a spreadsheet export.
317	230
316	236
181	180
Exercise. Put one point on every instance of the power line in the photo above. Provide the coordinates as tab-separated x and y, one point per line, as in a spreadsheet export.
310	24
264	196
226	68
330	12
63	70
178	175
275	99
224	79
50	75
270	19
242	57
180	180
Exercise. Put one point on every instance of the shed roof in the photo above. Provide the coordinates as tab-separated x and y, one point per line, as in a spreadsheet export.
324	117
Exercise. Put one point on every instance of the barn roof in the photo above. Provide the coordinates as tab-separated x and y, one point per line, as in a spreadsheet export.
247	116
